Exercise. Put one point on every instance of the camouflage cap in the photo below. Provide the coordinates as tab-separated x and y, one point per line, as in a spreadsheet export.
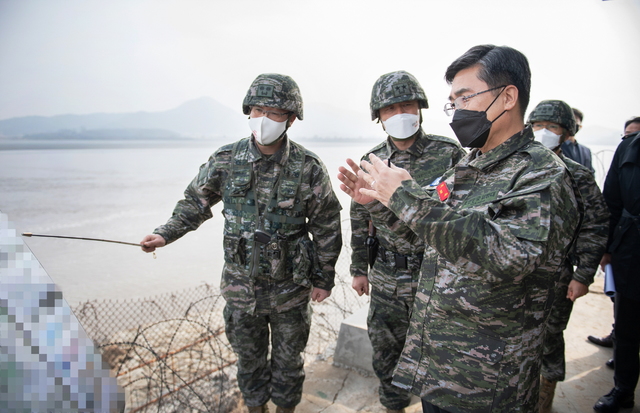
393	88
275	91
555	111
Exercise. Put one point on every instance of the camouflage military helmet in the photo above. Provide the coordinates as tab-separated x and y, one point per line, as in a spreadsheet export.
555	111
275	91
393	88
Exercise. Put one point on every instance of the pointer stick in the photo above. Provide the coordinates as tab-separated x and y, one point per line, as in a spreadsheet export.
29	234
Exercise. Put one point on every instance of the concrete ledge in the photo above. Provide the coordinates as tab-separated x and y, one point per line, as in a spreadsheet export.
353	349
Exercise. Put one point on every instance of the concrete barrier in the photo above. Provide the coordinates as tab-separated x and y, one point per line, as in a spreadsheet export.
353	348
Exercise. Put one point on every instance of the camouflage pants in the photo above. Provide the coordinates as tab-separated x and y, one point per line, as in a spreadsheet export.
279	378
553	359
388	322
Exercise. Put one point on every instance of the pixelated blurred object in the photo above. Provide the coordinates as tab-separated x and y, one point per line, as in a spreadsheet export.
48	361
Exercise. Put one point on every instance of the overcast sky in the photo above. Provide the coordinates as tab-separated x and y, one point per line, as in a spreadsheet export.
83	56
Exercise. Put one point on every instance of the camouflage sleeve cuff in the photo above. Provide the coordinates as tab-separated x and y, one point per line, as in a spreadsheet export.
585	276
359	271
374	206
323	283
359	264
408	192
164	234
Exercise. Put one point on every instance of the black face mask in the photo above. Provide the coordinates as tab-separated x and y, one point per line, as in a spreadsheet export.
472	127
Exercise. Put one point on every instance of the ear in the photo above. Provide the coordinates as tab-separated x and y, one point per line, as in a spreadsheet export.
510	97
292	119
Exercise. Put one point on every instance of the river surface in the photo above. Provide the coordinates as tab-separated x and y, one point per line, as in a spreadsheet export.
122	191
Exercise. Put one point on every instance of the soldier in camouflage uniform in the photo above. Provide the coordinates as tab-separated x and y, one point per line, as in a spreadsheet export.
396	99
275	193
497	231
553	122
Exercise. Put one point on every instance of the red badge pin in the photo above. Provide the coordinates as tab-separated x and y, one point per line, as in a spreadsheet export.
443	191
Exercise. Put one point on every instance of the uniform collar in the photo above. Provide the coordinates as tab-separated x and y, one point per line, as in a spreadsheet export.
417	149
515	143
281	156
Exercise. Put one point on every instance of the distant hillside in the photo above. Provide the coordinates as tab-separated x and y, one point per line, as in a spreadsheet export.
207	118
198	118
105	134
203	117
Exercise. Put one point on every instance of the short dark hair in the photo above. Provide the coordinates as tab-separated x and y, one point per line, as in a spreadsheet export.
499	65
632	120
577	113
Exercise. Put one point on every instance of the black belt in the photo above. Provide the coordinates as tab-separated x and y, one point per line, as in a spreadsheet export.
399	261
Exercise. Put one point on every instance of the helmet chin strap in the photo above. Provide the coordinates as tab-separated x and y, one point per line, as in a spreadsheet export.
289	123
285	131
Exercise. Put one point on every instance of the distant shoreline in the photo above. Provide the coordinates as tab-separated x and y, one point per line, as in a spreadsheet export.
11	144
40	144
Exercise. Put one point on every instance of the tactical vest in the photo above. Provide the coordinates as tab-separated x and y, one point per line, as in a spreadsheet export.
283	218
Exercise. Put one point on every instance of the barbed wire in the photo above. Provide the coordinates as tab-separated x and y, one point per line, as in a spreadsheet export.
170	353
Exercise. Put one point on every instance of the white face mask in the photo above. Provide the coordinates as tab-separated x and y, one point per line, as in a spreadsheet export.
265	130
402	125
547	138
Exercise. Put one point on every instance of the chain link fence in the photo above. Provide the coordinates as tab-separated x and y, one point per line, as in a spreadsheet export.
170	353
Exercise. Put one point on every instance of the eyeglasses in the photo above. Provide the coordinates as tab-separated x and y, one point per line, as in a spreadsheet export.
557	129
270	114
461	101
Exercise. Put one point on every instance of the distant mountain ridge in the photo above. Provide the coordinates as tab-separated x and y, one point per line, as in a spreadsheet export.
202	117
198	118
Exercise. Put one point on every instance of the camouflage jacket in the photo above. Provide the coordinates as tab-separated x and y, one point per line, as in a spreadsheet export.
497	231
427	159
591	242
287	196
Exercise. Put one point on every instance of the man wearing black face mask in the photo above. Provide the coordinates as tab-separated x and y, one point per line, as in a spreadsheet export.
497	231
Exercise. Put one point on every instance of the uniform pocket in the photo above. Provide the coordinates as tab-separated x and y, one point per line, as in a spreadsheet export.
469	359
304	263
235	251
276	254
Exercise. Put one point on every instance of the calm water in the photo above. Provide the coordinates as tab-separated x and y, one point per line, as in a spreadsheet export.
123	191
